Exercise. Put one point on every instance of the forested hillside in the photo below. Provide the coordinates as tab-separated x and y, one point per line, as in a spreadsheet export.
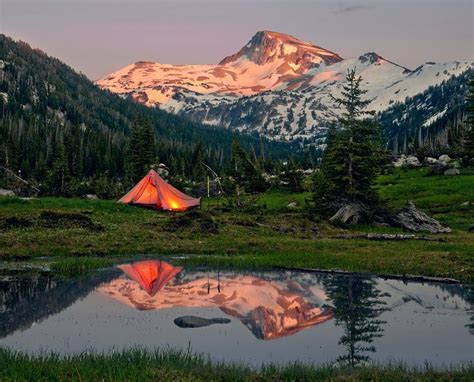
55	122
430	121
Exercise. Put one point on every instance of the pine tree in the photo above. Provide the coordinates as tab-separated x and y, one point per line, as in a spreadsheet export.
353	157
197	159
147	142
141	149
245	172
468	146
59	172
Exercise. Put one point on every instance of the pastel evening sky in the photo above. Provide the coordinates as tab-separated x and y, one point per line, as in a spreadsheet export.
100	36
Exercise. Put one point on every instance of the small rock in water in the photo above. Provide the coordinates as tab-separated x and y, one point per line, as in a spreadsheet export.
198	322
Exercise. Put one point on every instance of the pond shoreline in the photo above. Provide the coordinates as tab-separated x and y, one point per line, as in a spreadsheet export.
411	278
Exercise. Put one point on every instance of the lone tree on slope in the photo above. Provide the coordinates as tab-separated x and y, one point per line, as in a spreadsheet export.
353	157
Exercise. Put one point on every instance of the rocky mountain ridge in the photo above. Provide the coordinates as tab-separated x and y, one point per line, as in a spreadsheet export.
276	85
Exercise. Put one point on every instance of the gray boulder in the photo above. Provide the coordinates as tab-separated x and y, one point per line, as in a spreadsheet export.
91	197
407	161
444	158
412	161
401	161
439	168
6	192
429	161
352	213
198	322
414	220
452	171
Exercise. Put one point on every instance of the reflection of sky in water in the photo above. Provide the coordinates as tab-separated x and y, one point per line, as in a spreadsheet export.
307	316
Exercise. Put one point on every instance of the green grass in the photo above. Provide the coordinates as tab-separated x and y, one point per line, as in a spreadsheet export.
72	266
264	235
182	366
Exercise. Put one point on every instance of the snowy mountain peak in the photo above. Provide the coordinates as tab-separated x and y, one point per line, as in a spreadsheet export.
276	85
266	46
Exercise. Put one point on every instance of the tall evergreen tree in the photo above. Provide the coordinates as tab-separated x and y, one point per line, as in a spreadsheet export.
246	173
141	149
468	146
353	156
59	172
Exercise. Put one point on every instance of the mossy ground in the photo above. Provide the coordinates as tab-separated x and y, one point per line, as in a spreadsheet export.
264	234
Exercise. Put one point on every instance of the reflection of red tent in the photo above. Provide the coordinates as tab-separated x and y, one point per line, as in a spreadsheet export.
152	275
153	191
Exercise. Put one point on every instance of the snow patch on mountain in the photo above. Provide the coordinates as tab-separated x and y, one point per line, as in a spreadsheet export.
276	85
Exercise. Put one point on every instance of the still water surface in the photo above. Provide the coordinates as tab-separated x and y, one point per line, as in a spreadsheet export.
274	316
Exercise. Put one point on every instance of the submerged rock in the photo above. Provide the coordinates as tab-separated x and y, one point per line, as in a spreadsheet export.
413	220
198	322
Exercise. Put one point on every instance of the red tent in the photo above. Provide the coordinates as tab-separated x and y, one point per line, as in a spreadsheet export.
152	275
153	191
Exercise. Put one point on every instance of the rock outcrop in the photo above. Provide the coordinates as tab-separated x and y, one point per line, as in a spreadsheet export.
6	192
352	213
414	220
407	161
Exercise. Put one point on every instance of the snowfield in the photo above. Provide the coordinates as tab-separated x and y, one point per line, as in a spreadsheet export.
276	85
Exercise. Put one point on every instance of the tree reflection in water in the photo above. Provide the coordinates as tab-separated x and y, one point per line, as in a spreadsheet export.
357	304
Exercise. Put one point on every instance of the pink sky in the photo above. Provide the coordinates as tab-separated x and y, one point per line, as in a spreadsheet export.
100	36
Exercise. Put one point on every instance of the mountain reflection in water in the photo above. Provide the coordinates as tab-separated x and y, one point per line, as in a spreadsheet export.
269	308
137	304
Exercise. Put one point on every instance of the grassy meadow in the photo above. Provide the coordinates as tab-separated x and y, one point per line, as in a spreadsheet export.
78	234
180	366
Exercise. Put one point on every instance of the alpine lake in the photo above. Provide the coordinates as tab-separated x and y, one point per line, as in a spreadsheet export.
250	318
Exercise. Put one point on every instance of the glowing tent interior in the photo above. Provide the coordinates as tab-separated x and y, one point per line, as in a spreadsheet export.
154	191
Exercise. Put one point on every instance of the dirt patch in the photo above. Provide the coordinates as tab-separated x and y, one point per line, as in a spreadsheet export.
55	219
14	222
194	220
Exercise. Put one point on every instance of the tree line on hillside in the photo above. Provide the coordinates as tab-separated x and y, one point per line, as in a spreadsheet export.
405	127
355	155
66	136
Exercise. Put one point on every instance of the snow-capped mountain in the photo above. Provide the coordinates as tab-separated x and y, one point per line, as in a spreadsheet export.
276	85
